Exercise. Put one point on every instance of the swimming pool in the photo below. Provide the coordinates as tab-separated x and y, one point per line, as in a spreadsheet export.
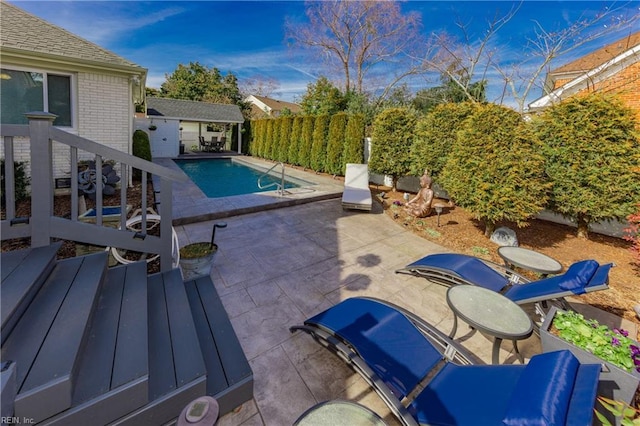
224	177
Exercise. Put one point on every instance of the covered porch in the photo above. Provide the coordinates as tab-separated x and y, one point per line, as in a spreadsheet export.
177	126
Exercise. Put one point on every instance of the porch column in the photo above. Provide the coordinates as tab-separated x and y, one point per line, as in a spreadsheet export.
239	138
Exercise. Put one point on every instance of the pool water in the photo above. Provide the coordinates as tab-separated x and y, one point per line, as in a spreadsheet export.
224	177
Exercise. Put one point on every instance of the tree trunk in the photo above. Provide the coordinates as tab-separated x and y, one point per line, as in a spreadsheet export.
583	227
489	227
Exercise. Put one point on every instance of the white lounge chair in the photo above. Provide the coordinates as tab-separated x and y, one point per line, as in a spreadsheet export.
357	194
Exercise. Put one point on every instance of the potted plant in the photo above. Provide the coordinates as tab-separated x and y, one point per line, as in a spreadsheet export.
196	259
153	127
593	343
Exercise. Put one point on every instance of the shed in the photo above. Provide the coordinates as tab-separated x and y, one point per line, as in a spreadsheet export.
172	122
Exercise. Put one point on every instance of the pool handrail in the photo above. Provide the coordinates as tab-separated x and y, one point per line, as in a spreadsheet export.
279	186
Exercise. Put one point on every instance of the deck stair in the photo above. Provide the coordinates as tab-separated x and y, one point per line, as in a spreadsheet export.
95	345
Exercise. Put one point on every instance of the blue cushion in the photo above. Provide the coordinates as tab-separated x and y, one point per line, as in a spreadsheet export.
466	395
384	338
543	392
578	275
469	268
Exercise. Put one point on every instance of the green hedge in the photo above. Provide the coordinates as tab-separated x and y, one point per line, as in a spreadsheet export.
334	163
495	169
319	143
141	148
392	137
354	141
592	151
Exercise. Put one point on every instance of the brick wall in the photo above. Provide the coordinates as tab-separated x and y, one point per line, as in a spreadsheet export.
625	84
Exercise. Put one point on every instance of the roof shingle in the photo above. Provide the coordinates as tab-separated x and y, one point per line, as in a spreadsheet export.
194	111
26	32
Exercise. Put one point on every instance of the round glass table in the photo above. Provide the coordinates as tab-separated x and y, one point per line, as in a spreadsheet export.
529	259
339	412
490	313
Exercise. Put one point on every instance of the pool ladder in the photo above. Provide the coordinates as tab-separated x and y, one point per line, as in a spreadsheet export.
279	186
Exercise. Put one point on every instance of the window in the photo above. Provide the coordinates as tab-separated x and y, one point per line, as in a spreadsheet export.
26	91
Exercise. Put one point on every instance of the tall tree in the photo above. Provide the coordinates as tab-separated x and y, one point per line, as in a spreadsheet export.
198	82
450	92
356	37
592	149
322	97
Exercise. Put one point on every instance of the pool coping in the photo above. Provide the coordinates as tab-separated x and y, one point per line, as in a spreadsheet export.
191	205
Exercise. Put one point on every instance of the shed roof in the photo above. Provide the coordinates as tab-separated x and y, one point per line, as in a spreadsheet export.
26	33
194	110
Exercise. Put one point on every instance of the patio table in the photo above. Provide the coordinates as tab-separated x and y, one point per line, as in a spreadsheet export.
529	259
339	412
490	313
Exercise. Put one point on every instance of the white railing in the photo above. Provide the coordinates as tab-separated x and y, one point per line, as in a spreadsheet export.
279	186
42	225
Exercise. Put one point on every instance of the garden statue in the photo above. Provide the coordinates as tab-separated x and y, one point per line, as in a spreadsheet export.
420	205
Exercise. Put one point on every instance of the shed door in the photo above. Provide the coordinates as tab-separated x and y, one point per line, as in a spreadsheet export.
165	139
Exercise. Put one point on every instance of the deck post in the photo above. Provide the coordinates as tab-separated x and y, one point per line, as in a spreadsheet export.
41	177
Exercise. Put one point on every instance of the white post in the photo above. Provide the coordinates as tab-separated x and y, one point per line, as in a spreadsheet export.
239	138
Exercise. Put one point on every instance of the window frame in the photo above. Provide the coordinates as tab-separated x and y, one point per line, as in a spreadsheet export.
45	89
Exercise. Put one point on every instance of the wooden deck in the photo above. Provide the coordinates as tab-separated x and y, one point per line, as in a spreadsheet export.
92	345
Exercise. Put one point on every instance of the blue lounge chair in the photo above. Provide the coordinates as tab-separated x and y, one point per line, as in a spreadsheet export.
449	269
426	378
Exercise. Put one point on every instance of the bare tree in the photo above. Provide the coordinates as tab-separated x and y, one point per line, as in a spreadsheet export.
259	85
357	37
465	59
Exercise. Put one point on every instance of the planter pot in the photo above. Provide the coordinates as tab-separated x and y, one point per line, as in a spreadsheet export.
615	383
198	266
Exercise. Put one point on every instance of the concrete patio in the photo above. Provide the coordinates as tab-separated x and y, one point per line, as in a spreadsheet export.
275	268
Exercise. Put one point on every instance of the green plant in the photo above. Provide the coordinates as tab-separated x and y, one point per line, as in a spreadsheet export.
592	151
435	135
432	233
391	141
480	251
334	163
353	141
306	140
319	143
294	143
613	346
21	180
286	124
495	169
196	250
627	415
141	148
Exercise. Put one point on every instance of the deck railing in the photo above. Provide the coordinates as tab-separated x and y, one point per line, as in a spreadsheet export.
42	225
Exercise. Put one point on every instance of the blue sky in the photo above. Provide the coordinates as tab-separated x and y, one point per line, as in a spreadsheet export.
247	37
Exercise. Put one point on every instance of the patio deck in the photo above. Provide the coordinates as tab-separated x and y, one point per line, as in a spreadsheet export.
278	267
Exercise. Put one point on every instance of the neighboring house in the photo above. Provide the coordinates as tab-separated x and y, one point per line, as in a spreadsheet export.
614	68
46	68
263	107
177	121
